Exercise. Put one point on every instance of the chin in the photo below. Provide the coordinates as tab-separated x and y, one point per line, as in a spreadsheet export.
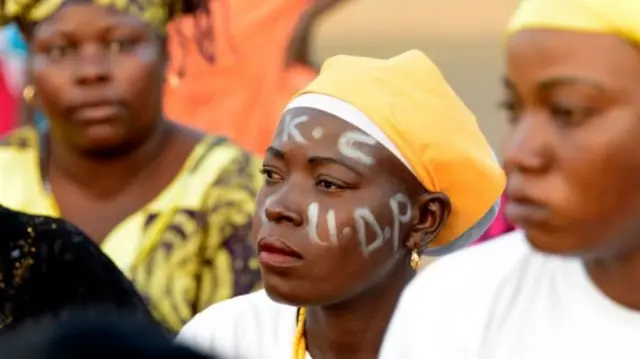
105	145
286	293
290	292
557	242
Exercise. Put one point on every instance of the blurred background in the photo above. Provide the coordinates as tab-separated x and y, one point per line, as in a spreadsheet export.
464	41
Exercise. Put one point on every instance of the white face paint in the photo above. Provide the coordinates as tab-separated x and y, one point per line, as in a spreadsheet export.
347	146
397	202
350	144
317	133
364	217
312	222
290	129
331	224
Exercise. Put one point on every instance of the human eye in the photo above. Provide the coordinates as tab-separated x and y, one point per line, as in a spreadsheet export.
121	44
58	51
510	107
329	185
570	115
270	175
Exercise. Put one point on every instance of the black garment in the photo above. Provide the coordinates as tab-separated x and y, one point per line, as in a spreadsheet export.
104	335
47	267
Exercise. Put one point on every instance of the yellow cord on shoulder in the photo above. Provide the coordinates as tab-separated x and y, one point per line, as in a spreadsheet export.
299	344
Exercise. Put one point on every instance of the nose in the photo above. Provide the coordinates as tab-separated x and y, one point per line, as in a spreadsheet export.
526	146
277	212
93	65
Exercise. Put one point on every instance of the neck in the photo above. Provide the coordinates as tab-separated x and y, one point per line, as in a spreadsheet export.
355	328
105	176
618	278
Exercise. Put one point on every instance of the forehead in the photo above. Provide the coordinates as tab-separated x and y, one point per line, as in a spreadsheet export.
314	123
315	131
538	55
84	17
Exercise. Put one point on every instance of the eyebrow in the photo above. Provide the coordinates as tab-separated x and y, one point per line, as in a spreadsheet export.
558	81
320	160
275	152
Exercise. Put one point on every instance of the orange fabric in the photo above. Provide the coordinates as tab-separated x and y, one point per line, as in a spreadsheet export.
243	93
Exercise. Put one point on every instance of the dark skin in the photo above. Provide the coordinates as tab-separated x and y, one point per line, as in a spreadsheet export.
98	75
349	296
575	110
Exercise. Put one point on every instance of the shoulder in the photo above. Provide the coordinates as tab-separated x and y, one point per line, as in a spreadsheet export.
451	298
226	163
486	260
21	141
239	326
474	272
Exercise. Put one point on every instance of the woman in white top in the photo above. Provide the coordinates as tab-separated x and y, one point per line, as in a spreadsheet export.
568	285
376	162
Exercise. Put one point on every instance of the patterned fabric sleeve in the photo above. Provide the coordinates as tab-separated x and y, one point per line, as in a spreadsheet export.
230	266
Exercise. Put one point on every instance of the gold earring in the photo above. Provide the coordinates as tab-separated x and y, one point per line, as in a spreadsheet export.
415	260
28	93
173	80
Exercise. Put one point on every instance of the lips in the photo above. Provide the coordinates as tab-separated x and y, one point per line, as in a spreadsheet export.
275	253
523	209
96	111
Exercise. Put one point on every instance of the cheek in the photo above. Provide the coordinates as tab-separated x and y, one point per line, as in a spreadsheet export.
139	79
259	219
370	225
53	85
598	177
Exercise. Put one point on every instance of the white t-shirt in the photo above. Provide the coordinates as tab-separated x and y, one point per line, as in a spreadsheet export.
251	326
504	300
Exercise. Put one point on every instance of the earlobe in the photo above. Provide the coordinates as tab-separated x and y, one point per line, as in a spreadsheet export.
431	213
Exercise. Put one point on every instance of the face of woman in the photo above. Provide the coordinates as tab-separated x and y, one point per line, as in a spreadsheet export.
98	75
340	207
571	154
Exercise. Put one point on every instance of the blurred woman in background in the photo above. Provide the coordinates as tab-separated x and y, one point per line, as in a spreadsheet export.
568	284
169	205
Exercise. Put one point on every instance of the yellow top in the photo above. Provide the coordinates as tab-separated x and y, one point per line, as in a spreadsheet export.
409	100
186	249
615	17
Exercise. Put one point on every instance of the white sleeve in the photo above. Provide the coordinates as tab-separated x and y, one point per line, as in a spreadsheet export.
415	330
442	312
212	332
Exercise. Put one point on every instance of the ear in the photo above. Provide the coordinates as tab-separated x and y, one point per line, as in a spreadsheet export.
431	213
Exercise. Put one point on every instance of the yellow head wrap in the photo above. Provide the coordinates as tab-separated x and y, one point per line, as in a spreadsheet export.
428	128
615	17
154	12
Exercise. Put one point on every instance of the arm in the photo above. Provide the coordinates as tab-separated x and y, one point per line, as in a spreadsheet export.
298	50
230	267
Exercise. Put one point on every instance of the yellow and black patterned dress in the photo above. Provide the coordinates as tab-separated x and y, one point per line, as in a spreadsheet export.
186	249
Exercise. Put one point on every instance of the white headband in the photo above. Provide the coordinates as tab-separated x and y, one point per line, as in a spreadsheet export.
350	114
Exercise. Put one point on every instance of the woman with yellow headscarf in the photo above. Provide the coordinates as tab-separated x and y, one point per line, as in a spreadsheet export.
568	284
374	163
170	206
